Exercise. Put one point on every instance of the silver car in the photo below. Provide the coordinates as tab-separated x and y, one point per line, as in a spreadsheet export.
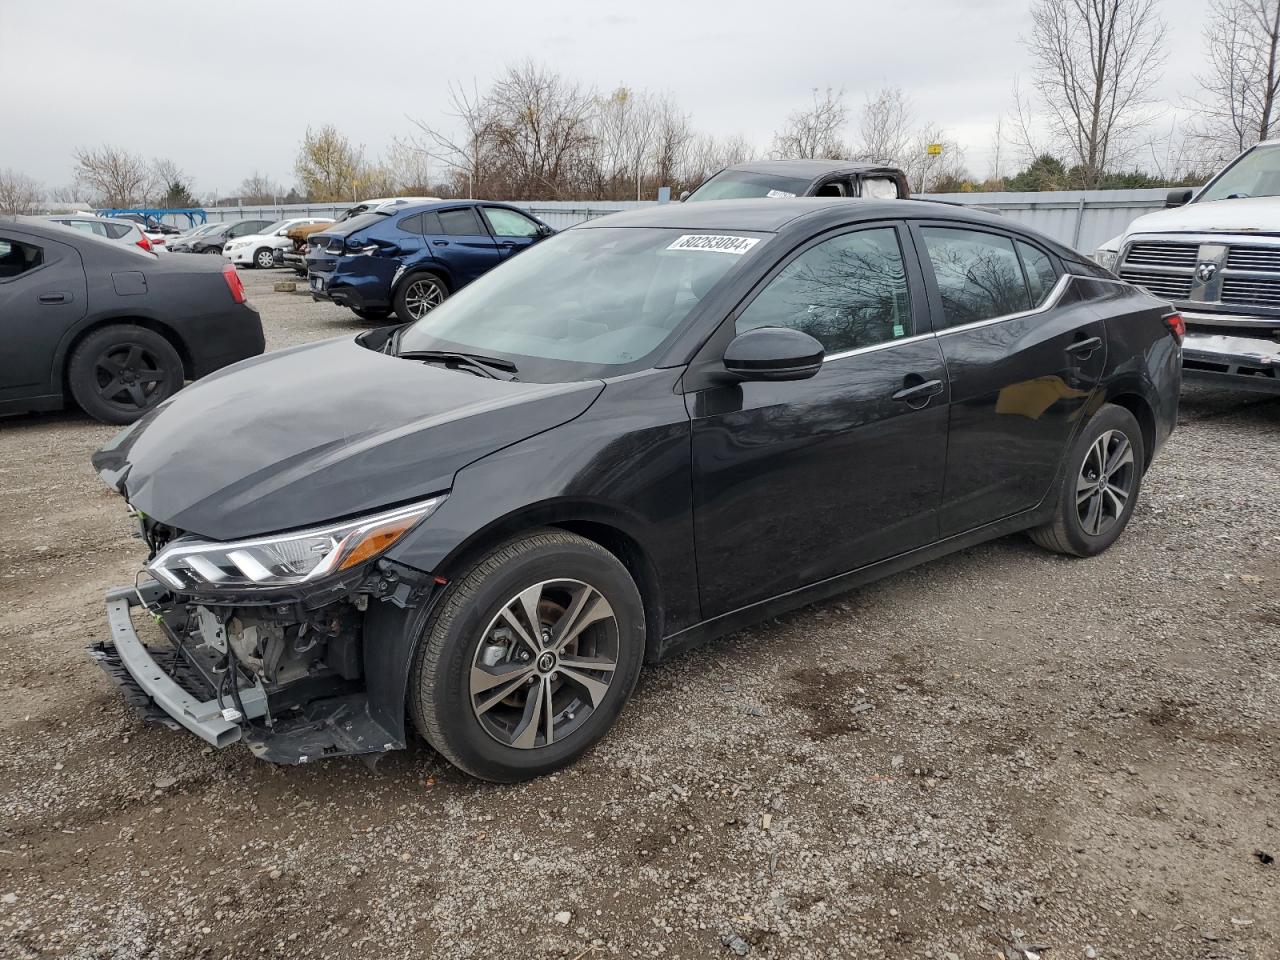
118	231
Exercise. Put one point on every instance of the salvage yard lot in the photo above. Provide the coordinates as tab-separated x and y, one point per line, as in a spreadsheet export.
1002	747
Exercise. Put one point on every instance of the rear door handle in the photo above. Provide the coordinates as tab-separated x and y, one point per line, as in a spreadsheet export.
1084	348
440	243
54	297
918	394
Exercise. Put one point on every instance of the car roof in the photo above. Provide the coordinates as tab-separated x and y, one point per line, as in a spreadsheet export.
89	216
770	216
808	169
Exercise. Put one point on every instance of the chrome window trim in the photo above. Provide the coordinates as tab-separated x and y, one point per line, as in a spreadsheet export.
1050	302
914	338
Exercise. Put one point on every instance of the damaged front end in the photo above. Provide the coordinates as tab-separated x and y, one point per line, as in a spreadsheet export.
296	644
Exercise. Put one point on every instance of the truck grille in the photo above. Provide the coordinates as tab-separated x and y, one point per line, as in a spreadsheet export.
1254	258
1251	291
1248	275
1171	286
1163	255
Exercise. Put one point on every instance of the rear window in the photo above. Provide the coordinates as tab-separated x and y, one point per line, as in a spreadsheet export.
461	223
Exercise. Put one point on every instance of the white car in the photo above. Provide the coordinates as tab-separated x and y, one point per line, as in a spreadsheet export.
258	249
1214	254
117	231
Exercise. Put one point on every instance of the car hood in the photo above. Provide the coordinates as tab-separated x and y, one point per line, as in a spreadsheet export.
317	433
1245	215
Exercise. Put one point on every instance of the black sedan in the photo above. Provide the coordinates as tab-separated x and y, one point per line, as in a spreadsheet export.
651	429
215	239
782	179
111	327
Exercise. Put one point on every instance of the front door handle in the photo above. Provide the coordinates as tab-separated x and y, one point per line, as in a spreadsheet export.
917	392
1084	348
440	243
54	297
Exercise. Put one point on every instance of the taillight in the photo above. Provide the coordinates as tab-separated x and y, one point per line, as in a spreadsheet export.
145	244
234	283
1177	326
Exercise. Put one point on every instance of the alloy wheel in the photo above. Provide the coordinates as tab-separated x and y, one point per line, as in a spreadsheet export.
544	664
422	297
128	375
1105	482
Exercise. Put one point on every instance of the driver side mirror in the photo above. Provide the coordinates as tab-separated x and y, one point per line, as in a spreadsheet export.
1177	198
544	230
281	232
684	195
773	353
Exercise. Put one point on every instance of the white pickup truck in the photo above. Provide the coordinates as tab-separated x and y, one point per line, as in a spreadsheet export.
1215	253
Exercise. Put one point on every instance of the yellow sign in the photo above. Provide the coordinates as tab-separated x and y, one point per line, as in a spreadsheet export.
933	149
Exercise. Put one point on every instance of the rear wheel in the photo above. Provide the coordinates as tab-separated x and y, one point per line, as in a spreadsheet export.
419	294
263	258
529	658
1100	488
118	373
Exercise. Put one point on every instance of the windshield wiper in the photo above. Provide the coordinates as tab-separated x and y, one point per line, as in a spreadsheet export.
474	361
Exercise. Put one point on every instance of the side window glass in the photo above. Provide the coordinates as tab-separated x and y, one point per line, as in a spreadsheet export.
17	258
460	223
431	224
846	292
411	224
508	223
978	274
1041	276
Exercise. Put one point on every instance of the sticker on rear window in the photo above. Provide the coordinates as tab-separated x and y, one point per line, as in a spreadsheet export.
715	243
779	195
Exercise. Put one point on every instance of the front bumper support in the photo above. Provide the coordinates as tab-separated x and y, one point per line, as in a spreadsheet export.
126	656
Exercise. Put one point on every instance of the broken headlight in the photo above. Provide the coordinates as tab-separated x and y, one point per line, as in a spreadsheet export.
286	559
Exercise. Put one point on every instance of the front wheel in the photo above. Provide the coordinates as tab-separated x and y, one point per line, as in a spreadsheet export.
1100	488
264	259
529	657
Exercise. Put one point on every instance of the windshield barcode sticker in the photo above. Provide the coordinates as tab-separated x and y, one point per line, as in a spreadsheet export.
779	195
715	243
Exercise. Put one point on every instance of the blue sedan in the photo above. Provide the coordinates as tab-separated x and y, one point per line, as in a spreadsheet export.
409	259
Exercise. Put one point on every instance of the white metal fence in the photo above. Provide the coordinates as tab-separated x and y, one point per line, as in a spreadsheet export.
1082	219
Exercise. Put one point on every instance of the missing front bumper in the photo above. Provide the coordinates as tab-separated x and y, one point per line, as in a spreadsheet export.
177	696
1240	362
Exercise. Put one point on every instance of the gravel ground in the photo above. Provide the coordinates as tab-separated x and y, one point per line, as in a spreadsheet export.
1000	751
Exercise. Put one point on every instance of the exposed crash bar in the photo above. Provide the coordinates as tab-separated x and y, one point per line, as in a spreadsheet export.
203	718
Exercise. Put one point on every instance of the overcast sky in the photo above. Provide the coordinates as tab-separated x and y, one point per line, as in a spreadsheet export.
223	88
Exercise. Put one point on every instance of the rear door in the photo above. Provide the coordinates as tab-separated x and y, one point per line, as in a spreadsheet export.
799	481
1024	354
465	245
42	294
512	229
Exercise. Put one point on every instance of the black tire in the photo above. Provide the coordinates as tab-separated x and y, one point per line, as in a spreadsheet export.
405	296
372	314
118	373
440	684
217	250
263	258
1083	487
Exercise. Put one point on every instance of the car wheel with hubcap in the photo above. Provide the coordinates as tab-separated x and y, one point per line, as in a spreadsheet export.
264	259
118	373
529	657
1100	487
419	294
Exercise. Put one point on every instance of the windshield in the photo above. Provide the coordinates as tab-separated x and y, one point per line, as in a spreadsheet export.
599	297
739	185
358	222
1255	174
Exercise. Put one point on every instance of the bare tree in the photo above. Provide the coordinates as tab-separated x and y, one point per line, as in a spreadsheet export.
467	152
328	165
925	170
115	177
814	132
170	185
1237	106
672	137
706	155
409	165
19	193
260	188
1095	62
884	127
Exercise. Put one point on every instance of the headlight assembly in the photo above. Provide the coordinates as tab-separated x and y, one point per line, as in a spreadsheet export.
286	559
1105	258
